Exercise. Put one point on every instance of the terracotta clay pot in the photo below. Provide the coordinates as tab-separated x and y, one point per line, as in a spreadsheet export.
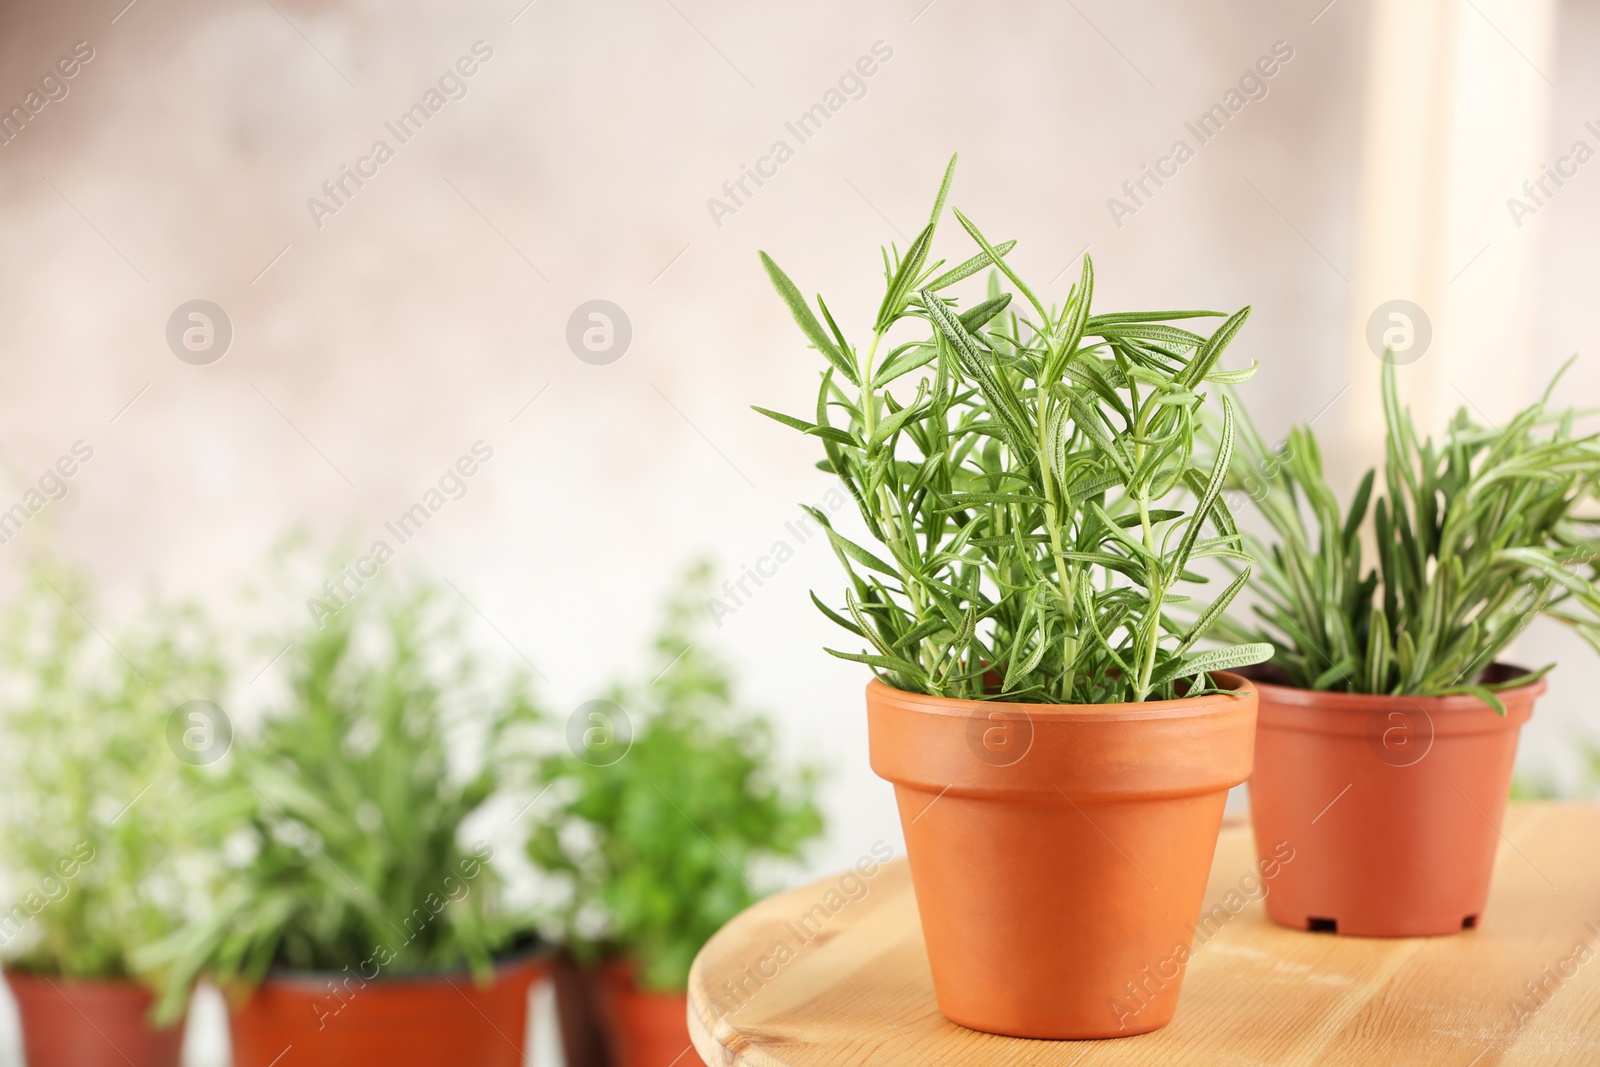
578	1013
336	1020
69	1022
1060	852
1391	805
648	1029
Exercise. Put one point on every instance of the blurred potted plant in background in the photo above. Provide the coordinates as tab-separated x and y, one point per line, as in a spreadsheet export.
92	816
1036	501
1388	722
357	924
669	803
1546	785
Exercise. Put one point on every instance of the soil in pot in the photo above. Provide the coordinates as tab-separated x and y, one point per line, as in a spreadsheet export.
70	1022
342	1020
647	1028
1391	805
1060	853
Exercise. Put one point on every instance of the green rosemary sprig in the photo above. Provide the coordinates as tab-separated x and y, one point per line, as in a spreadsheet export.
1038	499
1475	536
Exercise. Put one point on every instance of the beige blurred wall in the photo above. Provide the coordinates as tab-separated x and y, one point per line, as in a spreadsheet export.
373	350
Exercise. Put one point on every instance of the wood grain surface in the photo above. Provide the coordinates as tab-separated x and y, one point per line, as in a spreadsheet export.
835	974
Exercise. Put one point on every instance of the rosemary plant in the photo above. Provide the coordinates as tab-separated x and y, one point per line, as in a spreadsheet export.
345	814
1474	537
1038	497
92	823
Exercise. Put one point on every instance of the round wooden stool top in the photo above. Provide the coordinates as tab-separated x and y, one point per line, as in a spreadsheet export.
834	975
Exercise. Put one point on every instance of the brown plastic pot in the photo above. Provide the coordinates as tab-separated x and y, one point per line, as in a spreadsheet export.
1391	804
69	1022
337	1020
578	1013
648	1029
1060	852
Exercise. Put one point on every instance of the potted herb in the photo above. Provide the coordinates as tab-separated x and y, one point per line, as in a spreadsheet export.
1060	748
664	814
359	923
1388	722
91	818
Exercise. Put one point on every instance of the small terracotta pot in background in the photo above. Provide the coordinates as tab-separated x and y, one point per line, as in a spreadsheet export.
69	1022
1391	804
647	1029
334	1020
1060	852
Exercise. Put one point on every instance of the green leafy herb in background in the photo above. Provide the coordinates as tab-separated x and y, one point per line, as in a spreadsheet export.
349	809
662	847
1037	497
1474	536
93	812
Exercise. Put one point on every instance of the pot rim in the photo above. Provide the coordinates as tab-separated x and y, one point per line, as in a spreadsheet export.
106	985
1063	753
1330	700
533	955
1237	685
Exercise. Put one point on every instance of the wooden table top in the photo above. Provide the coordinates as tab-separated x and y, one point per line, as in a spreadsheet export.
851	984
